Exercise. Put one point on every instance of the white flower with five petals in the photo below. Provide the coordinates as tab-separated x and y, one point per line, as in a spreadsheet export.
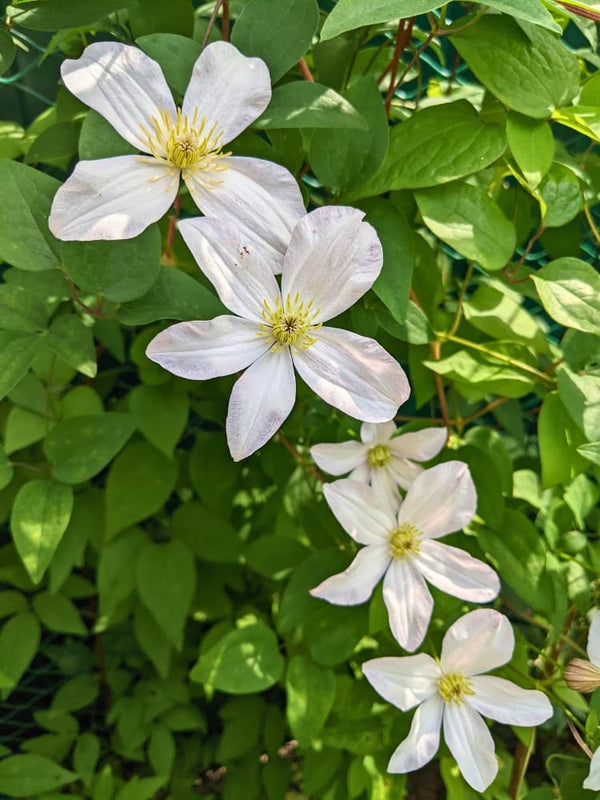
401	545
382	459
117	198
332	259
453	693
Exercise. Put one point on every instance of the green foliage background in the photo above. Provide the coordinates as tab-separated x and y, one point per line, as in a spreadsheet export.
158	639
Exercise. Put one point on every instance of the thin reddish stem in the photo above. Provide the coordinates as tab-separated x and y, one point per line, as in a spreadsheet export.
306	73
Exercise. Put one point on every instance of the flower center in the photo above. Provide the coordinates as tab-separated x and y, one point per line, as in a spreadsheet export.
454	687
379	456
289	324
186	143
405	542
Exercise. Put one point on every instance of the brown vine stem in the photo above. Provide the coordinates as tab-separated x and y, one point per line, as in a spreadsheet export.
520	764
168	249
578	739
510	273
304	69
436	354
225	22
461	299
580	11
486	410
211	22
298	458
591	223
403	35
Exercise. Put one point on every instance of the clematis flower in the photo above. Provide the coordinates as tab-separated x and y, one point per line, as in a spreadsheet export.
117	198
332	259
401	545
453	692
584	676
381	459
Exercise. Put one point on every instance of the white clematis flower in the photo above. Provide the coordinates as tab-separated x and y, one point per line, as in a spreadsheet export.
332	259
454	693
402	547
381	459
117	198
584	676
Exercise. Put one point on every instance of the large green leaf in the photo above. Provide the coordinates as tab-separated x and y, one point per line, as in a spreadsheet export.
302	104
310	694
25	197
278	33
245	660
570	292
162	413
581	119
28	774
560	195
581	397
559	439
82	446
19	641
58	613
40	15
436	145
175	54
7	50
350	14
467	219
524	66
532	145
40	516
21	310
73	341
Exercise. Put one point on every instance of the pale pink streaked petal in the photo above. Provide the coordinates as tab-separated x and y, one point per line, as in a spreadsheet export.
423	739
455	572
409	603
373	433
404	471
419	445
477	642
384	483
471	744
355	507
356	583
504	701
338	459
403	682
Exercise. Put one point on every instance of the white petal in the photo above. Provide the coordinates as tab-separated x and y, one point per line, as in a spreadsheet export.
228	89
504	701
440	500
356	583
112	198
261	198
455	572
471	744
337	459
384	483
404	471
260	402
202	349
408	602
593	647
333	258
403	682
377	432
593	779
123	84
423	739
420	445
354	374
361	473
355	507
231	263
477	642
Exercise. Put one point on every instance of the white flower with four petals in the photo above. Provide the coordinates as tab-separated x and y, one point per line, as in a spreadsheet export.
453	693
401	545
333	258
117	198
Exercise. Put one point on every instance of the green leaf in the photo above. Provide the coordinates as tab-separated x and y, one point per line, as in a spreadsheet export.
17	351
570	292
436	145
58	613
529	10
208	535
175	54
19	641
244	661
25	196
280	34
116	578
344	158
332	632
350	14
55	145
150	16
498	312
152	639
6	469
139	483
7	50
467	219
20	310
121	271
582	119
174	295
12	602
302	104
581	397
513	61
73	341
591	451
559	440
310	694
274	556
478	374
40	516
11	138
532	145
161	749
39	15
80	447
162	412
166	578
86	754
98	139
561	197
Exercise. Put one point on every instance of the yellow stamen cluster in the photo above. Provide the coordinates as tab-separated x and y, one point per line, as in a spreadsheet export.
405	542
379	456
289	324
185	143
454	687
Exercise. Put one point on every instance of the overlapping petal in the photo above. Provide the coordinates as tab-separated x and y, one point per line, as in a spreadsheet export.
403	472
123	84
373	433
242	279
471	744
356	583
228	89
262	199
504	701
261	400
456	572
112	198
593	646
338	459
593	779
481	640
356	509
409	603
419	445
207	349
423	739
403	682
353	373
332	241
455	500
